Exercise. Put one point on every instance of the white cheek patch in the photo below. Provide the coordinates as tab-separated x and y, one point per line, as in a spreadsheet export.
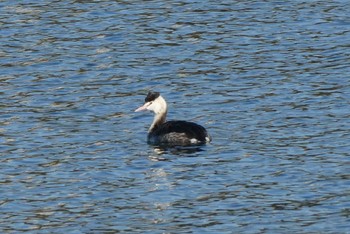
149	106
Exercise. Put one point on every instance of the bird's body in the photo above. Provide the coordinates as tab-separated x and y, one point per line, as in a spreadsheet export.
176	132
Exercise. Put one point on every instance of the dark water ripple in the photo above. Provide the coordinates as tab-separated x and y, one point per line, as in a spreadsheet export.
270	80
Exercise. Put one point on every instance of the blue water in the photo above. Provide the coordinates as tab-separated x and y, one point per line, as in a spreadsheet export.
269	81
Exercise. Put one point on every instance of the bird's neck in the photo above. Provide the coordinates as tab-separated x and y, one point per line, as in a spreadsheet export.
160	110
158	120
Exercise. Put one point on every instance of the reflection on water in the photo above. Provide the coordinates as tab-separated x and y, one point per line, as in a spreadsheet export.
267	79
178	150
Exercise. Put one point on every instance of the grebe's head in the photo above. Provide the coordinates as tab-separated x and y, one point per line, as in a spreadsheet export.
154	102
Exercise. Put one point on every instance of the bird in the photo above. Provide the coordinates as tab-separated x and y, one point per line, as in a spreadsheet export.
175	132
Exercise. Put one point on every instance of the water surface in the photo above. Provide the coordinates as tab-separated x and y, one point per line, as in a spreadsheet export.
269	80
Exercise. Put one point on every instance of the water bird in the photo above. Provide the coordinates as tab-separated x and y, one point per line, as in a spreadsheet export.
175	132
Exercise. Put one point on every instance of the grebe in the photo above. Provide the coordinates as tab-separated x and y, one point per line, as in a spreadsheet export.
175	132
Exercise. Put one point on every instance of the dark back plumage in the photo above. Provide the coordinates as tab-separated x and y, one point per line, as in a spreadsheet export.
180	131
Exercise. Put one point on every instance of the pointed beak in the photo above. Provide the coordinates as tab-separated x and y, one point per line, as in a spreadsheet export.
142	108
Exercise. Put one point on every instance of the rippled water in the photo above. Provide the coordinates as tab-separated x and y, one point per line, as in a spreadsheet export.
268	79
